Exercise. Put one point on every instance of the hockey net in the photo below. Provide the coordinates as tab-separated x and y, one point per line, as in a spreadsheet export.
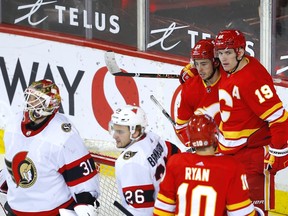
105	154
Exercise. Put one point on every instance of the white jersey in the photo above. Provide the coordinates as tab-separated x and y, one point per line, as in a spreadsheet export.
139	170
47	168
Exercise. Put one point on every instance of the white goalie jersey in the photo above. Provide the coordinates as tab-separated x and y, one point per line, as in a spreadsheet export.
45	171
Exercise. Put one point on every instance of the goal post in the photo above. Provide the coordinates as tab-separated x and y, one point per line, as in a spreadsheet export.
104	154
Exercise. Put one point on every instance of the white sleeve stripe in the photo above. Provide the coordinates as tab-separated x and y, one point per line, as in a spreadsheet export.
244	211
167	207
275	115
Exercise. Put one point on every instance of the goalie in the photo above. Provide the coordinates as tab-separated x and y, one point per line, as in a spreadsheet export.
48	167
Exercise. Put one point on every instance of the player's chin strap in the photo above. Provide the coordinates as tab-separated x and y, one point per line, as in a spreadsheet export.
278	152
133	140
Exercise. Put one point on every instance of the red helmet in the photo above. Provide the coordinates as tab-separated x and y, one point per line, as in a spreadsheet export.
203	49
202	131
230	39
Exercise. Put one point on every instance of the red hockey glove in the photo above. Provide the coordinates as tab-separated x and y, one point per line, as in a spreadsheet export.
182	134
268	161
275	164
187	72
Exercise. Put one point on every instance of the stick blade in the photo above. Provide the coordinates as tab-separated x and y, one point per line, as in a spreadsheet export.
111	63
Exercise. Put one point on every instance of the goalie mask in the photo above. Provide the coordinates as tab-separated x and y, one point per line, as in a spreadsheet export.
130	116
42	98
202	131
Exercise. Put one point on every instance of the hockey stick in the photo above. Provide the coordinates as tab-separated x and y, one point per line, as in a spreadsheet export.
122	209
114	69
190	149
166	114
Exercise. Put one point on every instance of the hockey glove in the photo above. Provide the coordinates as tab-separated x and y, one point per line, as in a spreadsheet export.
186	73
182	134
268	161
279	164
84	209
273	163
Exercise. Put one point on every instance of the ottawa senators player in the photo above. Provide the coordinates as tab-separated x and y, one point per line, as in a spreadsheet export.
200	93
48	167
141	165
202	183
254	125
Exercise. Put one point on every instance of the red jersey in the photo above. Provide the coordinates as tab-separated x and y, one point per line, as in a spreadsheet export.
203	185
248	102
197	97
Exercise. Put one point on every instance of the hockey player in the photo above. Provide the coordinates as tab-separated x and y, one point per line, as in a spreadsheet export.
202	183
141	165
48	167
254	125
200	93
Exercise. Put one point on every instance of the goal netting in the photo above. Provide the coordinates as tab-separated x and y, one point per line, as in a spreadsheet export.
105	154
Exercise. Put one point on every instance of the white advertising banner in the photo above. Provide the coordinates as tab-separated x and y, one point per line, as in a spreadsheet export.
89	92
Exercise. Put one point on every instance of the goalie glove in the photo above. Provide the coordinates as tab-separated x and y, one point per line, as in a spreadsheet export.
86	210
80	210
187	72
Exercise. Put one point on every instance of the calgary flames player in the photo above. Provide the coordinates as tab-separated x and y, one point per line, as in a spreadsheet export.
48	167
202	183
200	93
254	126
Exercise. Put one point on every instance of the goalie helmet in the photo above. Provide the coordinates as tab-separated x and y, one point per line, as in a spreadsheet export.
230	39
203	49
42	98
129	116
202	131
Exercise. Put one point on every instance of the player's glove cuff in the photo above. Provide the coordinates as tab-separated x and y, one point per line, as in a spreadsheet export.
275	159
182	134
278	152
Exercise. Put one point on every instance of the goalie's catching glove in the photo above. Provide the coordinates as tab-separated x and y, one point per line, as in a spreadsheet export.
187	72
